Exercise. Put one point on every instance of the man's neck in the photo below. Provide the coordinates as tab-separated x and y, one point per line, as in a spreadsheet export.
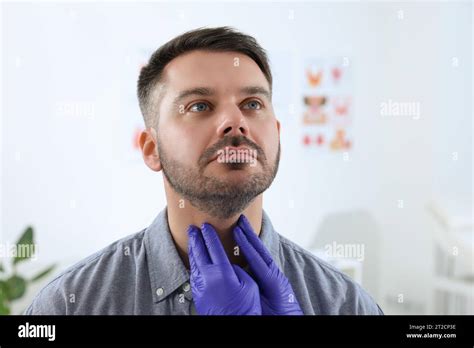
181	214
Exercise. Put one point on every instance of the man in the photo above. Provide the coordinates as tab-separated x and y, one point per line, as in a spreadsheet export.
210	128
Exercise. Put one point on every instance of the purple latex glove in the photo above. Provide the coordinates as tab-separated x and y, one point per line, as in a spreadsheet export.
218	287
276	294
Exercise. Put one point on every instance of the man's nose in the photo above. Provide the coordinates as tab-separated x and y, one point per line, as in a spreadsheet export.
232	123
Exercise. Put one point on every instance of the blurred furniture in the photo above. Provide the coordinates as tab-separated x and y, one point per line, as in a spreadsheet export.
349	231
454	270
349	266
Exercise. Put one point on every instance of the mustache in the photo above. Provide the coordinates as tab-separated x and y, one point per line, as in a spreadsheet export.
230	141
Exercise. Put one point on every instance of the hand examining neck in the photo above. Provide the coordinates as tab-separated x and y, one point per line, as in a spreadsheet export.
181	214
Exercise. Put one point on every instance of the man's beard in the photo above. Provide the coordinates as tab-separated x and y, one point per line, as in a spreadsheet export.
213	196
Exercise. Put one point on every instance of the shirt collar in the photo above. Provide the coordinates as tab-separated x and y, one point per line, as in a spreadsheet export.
271	239
167	270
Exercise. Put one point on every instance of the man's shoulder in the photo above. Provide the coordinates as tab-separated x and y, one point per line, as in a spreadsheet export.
329	290
106	268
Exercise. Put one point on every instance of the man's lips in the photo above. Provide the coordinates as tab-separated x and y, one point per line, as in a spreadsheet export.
246	152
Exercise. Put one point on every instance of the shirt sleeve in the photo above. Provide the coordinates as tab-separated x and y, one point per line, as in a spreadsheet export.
366	304
49	301
380	310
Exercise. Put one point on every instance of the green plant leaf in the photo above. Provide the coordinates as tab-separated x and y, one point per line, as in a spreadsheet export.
3	291
16	287
42	273
4	305
25	242
1	268
4	308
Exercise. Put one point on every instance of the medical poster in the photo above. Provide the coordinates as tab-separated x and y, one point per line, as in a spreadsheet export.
327	104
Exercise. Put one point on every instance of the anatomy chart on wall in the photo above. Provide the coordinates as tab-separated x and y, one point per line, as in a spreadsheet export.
327	104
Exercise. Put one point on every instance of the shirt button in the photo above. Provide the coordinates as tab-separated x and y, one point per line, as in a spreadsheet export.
159	291
186	287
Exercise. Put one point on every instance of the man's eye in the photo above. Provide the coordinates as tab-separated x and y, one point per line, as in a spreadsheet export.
254	104
198	107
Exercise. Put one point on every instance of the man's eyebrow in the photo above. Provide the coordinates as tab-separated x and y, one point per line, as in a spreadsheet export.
256	90
206	91
201	91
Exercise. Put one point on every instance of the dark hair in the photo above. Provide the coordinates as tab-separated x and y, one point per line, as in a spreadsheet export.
223	39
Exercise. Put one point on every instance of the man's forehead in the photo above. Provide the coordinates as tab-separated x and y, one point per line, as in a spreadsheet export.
208	73
210	58
201	68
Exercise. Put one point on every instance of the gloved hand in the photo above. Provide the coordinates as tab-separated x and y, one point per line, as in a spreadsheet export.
218	287
276	294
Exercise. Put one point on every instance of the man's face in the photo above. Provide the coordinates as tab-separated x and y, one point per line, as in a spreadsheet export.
229	107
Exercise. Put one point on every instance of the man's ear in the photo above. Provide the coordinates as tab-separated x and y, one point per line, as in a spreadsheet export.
147	142
278	127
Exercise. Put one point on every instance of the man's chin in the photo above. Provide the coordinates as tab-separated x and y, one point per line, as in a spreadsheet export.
234	176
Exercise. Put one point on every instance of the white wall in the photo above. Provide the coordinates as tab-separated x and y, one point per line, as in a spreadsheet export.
75	177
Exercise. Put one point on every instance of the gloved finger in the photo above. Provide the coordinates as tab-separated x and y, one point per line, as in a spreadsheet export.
256	262
192	263
214	245
254	240
196	248
243	276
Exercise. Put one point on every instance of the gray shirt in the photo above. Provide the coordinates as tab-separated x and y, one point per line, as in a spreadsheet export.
144	274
